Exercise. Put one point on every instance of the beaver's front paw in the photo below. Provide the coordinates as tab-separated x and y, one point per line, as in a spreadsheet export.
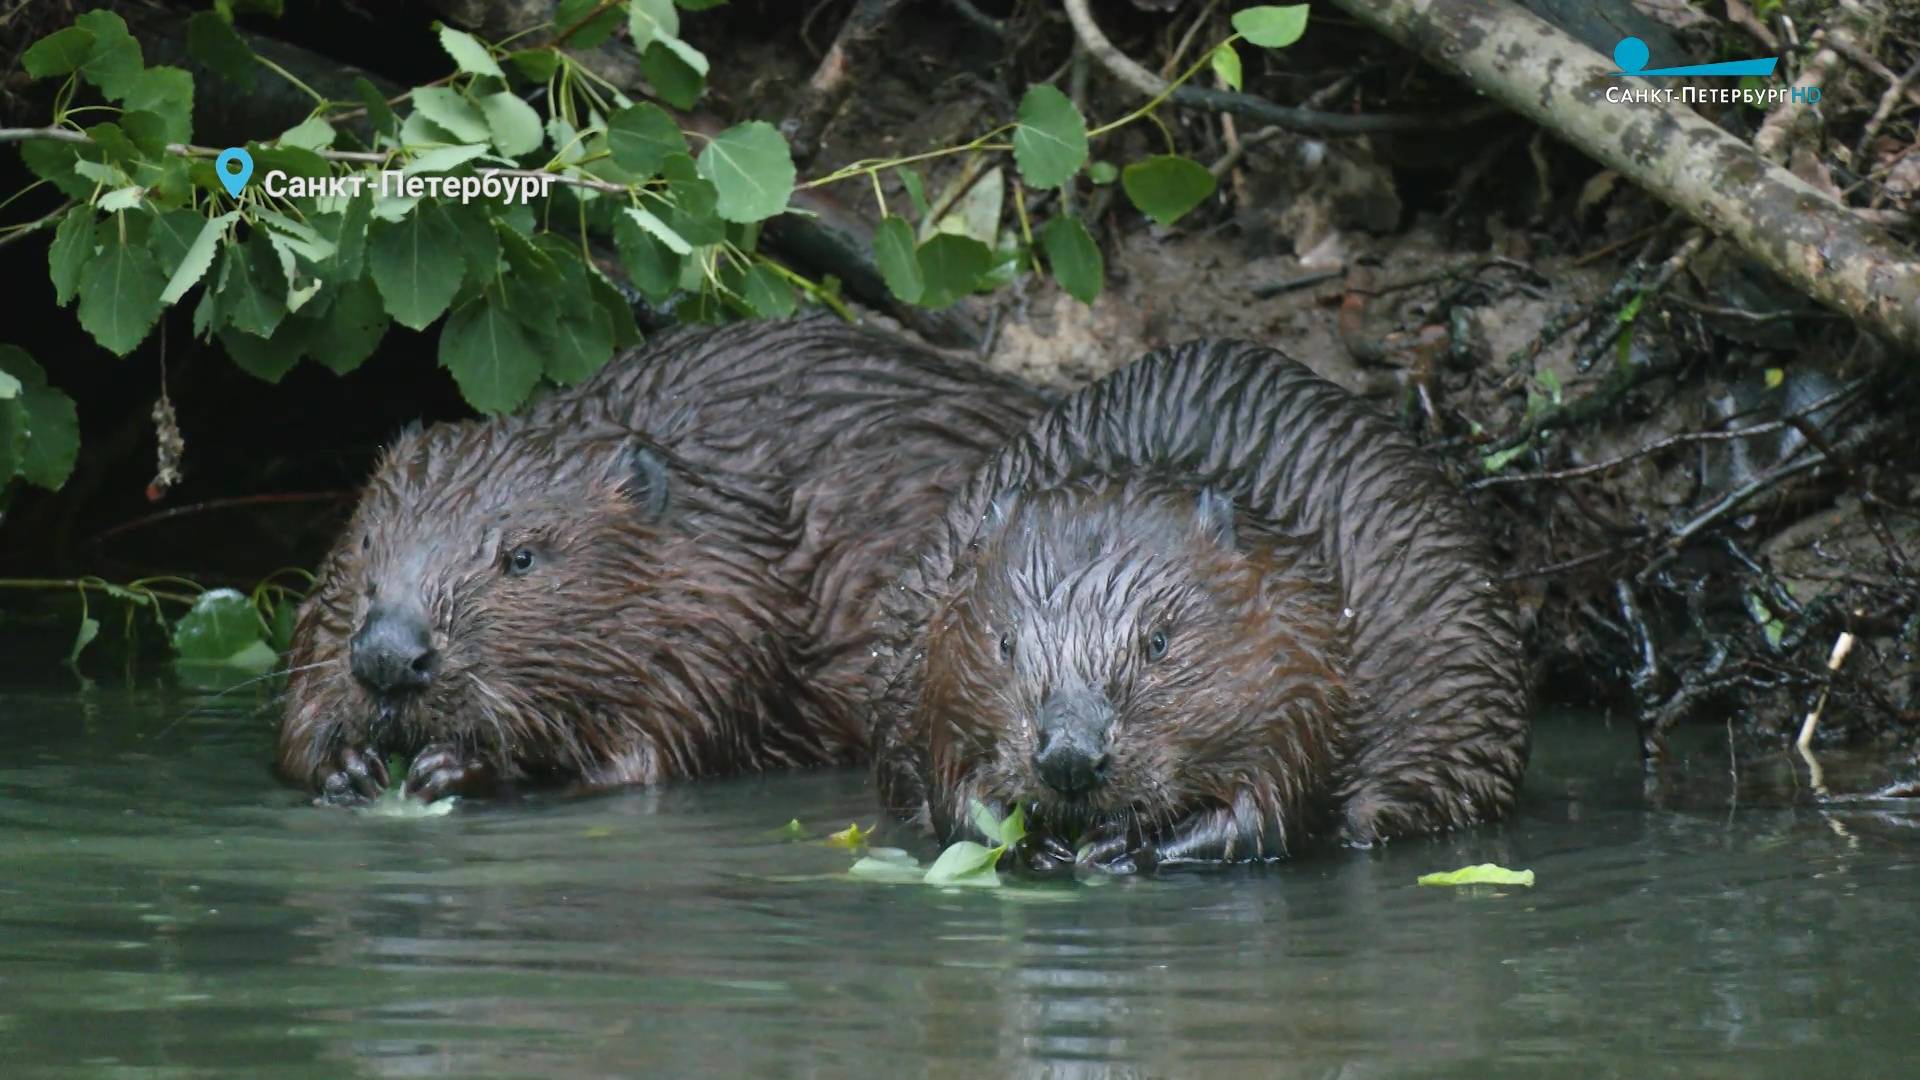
441	770
353	776
1042	854
1118	848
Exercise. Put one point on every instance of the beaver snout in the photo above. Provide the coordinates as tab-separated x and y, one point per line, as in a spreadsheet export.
1071	752
393	652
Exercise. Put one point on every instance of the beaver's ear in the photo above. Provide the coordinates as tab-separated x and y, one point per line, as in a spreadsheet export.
1213	512
646	480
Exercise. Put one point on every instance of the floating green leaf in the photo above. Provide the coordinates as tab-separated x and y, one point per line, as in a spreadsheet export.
468	54
214	44
59	53
1483	874
417	265
853	837
641	136
751	169
1164	187
1049	137
491	357
889	865
1226	64
965	863
1074	257
894	253
120	294
221	628
1271	26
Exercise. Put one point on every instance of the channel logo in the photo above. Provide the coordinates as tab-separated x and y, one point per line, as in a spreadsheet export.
1632	56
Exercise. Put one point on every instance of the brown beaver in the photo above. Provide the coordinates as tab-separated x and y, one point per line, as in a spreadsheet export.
668	571
1230	751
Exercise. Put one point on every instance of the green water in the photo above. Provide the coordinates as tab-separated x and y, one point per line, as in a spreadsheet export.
167	910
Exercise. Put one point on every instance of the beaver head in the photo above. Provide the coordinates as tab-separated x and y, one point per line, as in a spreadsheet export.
558	601
1122	656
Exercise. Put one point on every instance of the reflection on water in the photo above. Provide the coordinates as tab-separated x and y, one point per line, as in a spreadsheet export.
167	910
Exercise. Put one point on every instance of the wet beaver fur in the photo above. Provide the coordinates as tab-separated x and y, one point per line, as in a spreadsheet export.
1243	705
668	571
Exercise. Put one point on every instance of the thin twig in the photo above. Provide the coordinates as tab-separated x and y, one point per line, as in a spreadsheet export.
16	232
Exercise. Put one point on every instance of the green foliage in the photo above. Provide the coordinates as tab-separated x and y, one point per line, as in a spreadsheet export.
1482	874
340	248
964	862
223	627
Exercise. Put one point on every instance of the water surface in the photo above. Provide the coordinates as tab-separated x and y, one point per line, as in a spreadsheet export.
168	910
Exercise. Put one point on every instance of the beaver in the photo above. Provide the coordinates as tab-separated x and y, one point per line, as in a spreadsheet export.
1420	720
668	571
1122	652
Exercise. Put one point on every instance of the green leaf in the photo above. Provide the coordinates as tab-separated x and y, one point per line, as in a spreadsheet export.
13	442
653	268
351	329
698	5
417	264
1013	828
491	357
72	249
1049	137
198	257
514	123
965	863
1498	460
899	265
977	213
350	244
89	629
444	158
170	235
676	82
9	387
916	190
125	198
222	628
767	293
1166	186
59	164
984	819
568	13
166	92
252	290
641	136
452	112
1074	258
888	865
313	133
626	332
468	54
951	266
48	436
267	359
379	113
479	246
1483	874
1271	27
751	169
651	20
120	294
1226	64
147	132
658	229
114	62
214	44
575	345
537	65
694	201
59	53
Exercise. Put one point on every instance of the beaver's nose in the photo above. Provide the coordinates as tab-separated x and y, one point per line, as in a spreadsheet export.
393	652
1071	752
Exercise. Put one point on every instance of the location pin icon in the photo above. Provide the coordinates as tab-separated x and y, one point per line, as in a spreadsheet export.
234	179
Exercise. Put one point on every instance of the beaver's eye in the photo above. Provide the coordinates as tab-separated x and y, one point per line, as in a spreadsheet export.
521	561
1156	645
366	542
1006	646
